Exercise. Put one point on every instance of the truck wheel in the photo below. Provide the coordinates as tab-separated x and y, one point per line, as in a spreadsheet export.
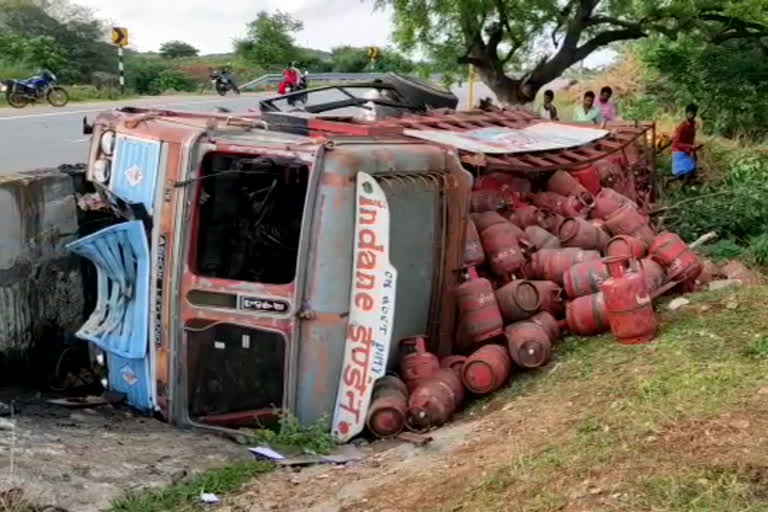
421	94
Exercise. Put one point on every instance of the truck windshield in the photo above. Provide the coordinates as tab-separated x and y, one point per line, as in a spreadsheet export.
249	218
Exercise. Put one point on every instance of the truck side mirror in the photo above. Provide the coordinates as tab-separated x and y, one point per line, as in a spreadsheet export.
87	128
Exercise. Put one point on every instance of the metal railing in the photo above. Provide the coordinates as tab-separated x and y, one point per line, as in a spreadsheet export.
275	78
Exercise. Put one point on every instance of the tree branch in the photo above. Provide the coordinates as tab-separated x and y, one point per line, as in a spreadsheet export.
606	38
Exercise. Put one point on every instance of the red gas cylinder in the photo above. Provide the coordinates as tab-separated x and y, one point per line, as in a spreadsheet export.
463	343
514	183
551	296
529	344
487	369
578	205
578	232
674	255
563	183
550	264
541	238
584	278
518	300
607	202
628	221
502	249
485	220
549	201
478	307
473	249
524	215
654	274
627	246
491	200
628	303
434	401
416	364
548	322
550	221
454	362
389	406
586	316
589	177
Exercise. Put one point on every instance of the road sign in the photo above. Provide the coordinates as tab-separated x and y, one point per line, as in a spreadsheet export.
373	53
120	36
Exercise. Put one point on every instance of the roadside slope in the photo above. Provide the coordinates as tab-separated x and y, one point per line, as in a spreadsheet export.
677	425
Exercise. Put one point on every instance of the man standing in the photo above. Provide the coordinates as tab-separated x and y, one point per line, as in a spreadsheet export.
607	107
547	110
684	146
587	112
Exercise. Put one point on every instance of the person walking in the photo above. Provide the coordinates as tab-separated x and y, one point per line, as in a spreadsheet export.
684	147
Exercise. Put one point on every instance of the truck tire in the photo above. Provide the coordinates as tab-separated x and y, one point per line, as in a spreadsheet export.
421	94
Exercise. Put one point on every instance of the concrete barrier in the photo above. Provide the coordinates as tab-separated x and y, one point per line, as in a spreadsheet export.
41	284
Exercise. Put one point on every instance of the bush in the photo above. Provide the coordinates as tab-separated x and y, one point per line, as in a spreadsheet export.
171	80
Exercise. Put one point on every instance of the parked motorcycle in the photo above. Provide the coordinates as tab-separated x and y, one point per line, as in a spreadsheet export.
19	93
223	82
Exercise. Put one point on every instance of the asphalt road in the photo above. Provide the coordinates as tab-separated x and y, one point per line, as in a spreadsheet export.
43	136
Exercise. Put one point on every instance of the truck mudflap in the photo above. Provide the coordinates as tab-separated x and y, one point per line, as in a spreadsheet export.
371	311
119	322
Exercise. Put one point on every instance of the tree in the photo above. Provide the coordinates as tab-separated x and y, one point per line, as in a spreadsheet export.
546	37
270	40
176	49
348	59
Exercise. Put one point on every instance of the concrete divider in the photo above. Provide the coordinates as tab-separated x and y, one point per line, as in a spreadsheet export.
41	284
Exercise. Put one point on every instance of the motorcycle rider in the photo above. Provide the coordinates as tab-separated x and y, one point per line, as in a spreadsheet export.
226	74
291	79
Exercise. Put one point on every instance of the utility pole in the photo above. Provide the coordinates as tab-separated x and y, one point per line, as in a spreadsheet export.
120	39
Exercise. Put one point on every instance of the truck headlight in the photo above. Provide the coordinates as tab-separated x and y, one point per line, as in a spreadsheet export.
107	142
101	170
3	87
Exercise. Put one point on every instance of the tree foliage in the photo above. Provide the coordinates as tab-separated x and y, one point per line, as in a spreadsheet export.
348	59
545	37
270	40
177	49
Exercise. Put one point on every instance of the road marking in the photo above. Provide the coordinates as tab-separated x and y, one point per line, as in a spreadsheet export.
78	141
111	105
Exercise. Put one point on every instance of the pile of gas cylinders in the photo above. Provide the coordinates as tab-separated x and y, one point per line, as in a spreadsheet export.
574	256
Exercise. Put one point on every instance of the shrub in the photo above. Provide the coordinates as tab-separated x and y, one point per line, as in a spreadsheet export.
171	80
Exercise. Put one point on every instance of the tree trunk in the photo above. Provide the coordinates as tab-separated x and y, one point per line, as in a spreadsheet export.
509	91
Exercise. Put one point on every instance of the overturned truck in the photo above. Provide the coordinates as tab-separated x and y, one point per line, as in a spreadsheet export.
271	261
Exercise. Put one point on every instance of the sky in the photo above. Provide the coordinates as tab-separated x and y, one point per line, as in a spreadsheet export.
211	26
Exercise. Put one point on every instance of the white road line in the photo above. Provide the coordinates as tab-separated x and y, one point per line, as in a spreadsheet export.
111	105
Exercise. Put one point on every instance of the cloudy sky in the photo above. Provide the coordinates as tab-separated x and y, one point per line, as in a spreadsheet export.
211	26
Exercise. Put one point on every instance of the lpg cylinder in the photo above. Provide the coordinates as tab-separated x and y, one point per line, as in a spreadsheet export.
628	221
502	249
627	246
491	200
541	238
676	257
550	264
524	215
487	369
433	402
529	344
473	249
654	274
628	303
578	205
586	316
389	406
548	322
479	310
578	232
416	363
589	177
549	220
551	296
518	300
607	201
584	278
485	220
454	362
563	183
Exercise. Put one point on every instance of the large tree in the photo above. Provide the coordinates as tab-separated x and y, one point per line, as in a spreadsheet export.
177	49
270	40
543	38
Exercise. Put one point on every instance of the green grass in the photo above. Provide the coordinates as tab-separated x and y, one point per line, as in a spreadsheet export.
704	363
185	495
291	438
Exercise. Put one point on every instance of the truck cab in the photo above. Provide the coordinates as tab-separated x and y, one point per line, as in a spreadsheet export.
257	270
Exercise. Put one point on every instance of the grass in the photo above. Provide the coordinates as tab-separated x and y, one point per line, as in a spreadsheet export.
291	438
707	362
185	496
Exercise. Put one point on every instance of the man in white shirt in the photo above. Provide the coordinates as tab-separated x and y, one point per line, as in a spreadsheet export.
547	110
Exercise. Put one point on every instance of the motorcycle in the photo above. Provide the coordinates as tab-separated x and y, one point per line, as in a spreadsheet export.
302	86
19	93
223	83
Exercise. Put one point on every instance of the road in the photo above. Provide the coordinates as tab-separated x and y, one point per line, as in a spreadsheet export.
42	136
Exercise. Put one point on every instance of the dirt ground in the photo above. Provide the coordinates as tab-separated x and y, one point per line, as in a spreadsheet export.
82	459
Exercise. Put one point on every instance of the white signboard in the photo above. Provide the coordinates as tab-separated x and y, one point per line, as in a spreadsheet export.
496	139
371	311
